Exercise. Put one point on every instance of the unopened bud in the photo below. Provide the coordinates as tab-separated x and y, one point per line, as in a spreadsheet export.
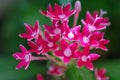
77	6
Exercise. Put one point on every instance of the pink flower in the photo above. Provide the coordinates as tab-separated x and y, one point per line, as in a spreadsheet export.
72	34
56	70
84	37
85	58
31	33
56	28
94	39
101	74
97	41
39	77
95	22
51	42
38	46
67	51
58	12
24	56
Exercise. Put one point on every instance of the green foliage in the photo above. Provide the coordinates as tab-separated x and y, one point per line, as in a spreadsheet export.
74	73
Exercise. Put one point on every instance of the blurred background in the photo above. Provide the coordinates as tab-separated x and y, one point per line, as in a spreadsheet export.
13	15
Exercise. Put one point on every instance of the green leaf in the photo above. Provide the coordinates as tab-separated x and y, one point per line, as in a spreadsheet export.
74	73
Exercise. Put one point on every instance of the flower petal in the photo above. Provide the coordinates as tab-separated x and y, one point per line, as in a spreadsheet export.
94	56
90	66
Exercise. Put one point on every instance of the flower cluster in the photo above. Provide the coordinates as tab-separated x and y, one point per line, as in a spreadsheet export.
65	42
101	74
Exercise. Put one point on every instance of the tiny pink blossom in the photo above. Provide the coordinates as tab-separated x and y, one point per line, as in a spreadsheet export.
85	58
101	74
40	77
58	12
24	56
94	39
51	42
73	33
95	22
67	51
31	33
56	70
38	46
97	41
56	28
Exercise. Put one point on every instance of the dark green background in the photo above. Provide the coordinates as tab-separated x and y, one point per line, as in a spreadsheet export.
13	15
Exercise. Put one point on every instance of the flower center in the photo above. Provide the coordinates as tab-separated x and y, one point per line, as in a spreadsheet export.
70	35
61	16
57	31
91	28
50	44
33	34
84	58
40	47
67	52
27	58
86	39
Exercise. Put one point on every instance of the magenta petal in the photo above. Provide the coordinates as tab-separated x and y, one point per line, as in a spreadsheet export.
39	40
39	77
71	12
58	9
56	38
102	71
66	60
74	46
49	28
95	13
89	17
86	50
80	63
29	28
47	36
76	28
105	41
18	55
26	65
21	64
63	44
66	8
90	66
25	35
23	49
55	46
94	56
36	27
32	44
59	53
103	47
43	12
85	31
